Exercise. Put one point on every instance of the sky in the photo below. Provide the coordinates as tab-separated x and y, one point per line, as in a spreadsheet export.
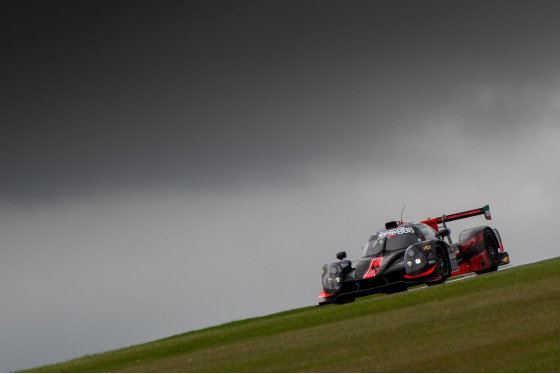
168	166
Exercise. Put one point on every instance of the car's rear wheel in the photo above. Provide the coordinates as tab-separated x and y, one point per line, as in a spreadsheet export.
491	247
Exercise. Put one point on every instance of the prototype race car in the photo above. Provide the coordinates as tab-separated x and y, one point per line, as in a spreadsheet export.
407	254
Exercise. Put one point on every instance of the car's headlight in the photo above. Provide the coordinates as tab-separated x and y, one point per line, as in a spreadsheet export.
332	277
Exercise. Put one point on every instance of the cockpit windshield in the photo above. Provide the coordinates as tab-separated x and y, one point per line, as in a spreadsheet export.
390	240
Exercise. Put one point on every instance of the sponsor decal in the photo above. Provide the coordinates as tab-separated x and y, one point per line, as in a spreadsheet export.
471	242
427	247
394	232
454	263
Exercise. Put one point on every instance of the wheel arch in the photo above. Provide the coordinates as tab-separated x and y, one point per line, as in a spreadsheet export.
420	258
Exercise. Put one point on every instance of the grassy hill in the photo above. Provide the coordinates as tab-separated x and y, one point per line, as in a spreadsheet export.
504	321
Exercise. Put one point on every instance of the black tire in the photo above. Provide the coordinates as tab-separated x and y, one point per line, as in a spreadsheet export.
442	264
491	247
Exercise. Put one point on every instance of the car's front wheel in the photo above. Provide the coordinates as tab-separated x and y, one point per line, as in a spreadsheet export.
442	264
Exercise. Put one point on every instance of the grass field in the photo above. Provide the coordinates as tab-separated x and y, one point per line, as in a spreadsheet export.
504	321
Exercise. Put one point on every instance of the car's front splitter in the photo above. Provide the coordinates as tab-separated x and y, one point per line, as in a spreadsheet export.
365	288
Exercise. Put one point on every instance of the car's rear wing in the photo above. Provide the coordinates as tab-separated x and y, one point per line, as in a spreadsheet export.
434	222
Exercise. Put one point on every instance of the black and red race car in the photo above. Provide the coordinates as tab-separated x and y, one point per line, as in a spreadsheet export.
407	254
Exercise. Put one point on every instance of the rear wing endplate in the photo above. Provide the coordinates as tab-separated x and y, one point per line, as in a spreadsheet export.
433	222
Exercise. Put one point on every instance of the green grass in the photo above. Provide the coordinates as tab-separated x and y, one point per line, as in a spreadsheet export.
507	321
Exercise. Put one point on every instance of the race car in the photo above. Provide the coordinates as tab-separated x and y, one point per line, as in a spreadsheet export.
402	255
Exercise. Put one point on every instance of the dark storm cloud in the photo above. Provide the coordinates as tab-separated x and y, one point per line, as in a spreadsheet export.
205	93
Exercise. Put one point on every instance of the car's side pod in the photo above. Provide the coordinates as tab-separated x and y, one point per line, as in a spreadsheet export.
482	248
429	259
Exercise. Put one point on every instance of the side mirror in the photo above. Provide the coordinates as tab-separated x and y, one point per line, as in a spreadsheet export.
341	255
444	232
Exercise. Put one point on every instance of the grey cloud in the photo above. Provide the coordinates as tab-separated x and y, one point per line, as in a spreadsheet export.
229	98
